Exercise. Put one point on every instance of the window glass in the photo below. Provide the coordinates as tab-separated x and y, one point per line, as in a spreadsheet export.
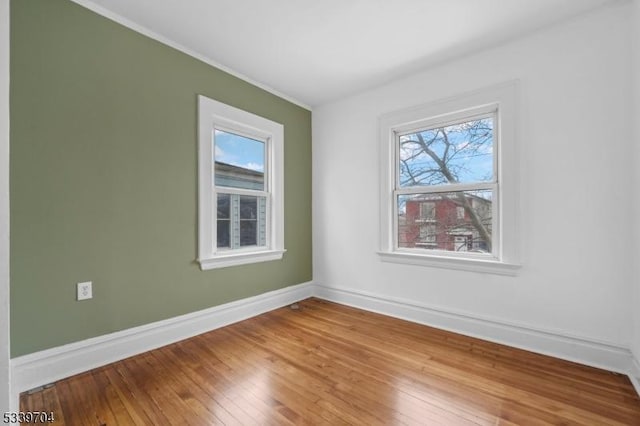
446	230
427	210
224	222
224	233
241	221
239	161
248	221
457	153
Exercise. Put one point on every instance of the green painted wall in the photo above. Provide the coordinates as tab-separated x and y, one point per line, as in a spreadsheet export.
104	183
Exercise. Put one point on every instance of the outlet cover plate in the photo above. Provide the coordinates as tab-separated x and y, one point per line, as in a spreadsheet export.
85	291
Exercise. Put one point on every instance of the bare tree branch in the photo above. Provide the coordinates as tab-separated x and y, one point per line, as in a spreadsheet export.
476	220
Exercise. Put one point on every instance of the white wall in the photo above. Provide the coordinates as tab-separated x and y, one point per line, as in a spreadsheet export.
635	347
4	205
575	185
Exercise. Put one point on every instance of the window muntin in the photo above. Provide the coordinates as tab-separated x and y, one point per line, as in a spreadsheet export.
240	186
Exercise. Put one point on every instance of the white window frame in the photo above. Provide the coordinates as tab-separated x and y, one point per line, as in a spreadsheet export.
498	101
213	115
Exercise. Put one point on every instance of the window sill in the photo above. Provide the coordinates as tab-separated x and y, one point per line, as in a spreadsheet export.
462	264
244	258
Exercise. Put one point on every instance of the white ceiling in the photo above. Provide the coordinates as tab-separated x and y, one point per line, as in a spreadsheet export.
317	51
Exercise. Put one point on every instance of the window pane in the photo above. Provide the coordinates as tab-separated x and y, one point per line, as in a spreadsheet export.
224	234
252	221
248	208
241	221
459	153
239	161
445	228
248	233
427	210
224	206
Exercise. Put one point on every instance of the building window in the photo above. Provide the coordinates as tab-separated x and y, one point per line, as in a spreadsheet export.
240	186
452	164
427	211
427	235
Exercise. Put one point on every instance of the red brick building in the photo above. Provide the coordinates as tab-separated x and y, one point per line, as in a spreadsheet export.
444	222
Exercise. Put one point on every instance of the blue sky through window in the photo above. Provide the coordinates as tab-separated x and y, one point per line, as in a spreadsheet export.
465	150
239	150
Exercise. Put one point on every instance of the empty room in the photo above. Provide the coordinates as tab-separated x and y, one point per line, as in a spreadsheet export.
415	212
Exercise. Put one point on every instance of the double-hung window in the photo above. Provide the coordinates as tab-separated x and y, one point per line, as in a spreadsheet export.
449	183
240	186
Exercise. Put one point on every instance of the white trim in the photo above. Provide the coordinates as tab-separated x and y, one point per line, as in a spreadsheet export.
486	266
240	191
555	343
166	41
446	119
211	114
503	98
36	369
235	259
7	402
452	187
47	366
634	374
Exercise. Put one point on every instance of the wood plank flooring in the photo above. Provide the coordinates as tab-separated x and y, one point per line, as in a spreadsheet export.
331	364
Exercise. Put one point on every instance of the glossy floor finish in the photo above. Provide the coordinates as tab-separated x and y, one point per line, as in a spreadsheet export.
330	364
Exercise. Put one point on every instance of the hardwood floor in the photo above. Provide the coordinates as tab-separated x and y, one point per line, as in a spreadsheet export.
331	364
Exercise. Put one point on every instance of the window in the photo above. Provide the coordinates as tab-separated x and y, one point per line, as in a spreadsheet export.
452	165
240	186
427	211
239	164
427	235
435	158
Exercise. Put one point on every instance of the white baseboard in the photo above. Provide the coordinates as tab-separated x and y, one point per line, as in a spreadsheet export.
560	345
39	368
634	374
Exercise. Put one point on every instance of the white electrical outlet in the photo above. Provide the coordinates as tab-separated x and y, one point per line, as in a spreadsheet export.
85	291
